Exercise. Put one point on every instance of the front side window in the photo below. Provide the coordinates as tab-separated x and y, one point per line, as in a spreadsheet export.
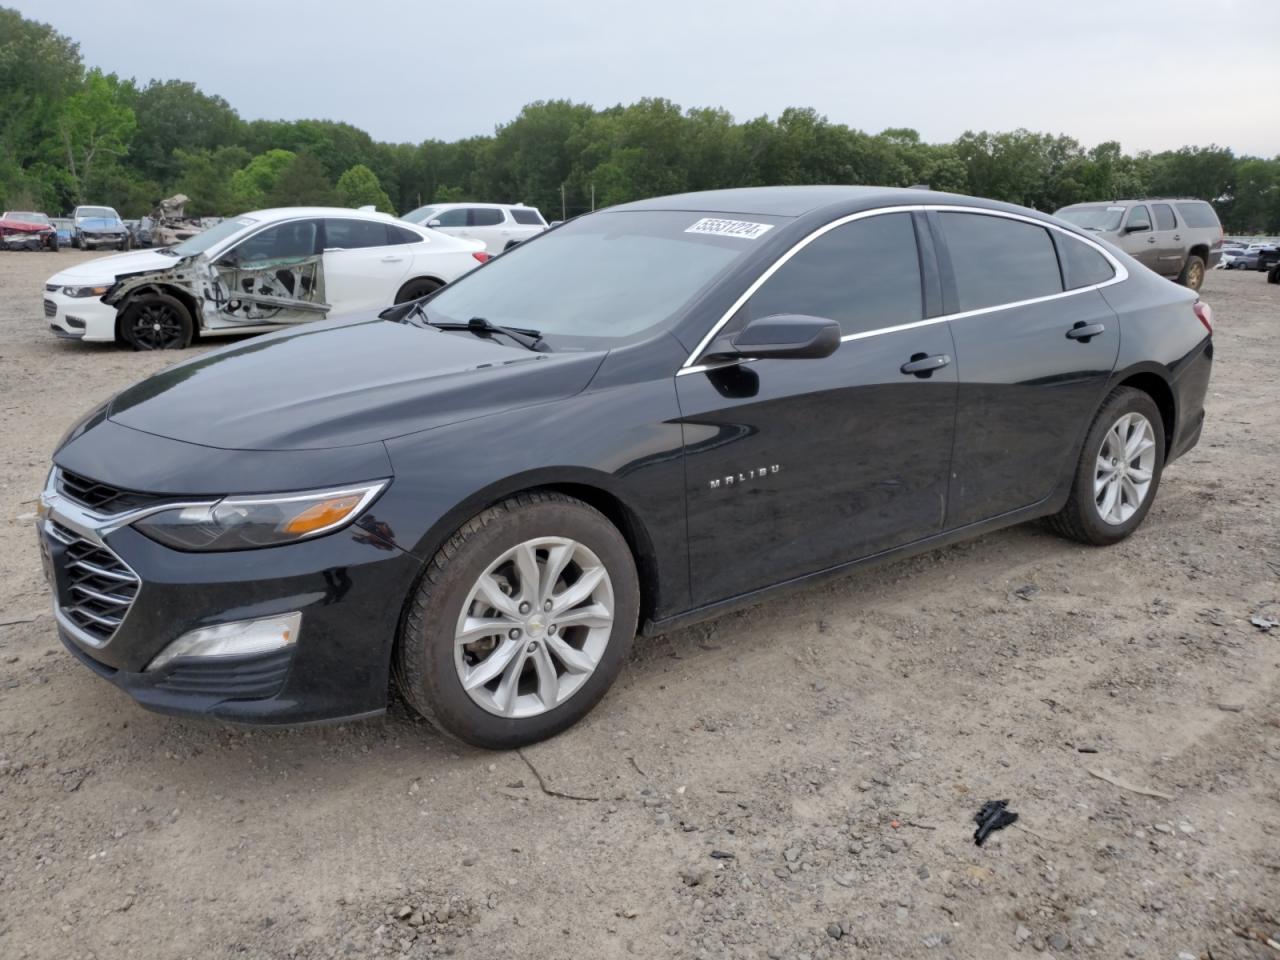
1139	220
1164	216
865	275
485	217
997	260
1082	265
527	216
599	279
208	239
354	234
285	241
457	217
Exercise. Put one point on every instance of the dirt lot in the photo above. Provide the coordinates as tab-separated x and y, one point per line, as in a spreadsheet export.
797	780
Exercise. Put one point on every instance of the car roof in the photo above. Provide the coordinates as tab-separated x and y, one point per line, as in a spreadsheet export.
804	200
288	213
467	203
1133	203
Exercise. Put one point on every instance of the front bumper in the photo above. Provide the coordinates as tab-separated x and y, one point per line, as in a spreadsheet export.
90	241
79	318
349	586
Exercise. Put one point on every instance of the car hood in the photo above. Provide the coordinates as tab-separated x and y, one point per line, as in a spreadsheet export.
105	269
337	383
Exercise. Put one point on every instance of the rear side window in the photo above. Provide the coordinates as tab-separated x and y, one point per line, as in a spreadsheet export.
397	235
1082	266
527	216
457	217
1198	214
1164	216
354	234
864	274
1139	220
485	217
997	260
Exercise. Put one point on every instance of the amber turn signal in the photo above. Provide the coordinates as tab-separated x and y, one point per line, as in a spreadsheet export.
322	514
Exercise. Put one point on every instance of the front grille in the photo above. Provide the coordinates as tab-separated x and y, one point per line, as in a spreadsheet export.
95	587
100	496
50	308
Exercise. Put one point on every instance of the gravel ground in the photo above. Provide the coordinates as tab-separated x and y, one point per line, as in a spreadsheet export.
797	780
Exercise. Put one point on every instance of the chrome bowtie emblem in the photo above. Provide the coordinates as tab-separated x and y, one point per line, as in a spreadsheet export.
736	479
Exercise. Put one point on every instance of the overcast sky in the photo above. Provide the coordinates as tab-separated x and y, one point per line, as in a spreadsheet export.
1153	75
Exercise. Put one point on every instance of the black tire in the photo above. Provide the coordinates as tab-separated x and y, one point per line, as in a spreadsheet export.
140	319
123	244
1274	275
75	242
1192	275
1081	519
417	288
424	659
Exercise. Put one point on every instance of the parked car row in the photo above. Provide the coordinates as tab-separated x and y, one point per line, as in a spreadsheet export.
499	226
27	230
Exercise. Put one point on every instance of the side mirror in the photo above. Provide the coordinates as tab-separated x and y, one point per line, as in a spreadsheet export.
433	223
780	337
1137	227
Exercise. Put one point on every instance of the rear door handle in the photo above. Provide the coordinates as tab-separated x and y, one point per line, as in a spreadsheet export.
1151	239
392	259
923	366
1084	331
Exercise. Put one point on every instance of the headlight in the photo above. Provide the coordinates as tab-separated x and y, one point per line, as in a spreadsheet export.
87	291
243	523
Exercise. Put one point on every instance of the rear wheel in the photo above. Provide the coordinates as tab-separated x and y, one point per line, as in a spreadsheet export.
1192	273
156	321
417	288
1118	473
521	622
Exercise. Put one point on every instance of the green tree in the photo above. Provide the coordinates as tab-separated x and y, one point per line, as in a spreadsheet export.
359	187
174	115
252	185
206	176
95	125
302	183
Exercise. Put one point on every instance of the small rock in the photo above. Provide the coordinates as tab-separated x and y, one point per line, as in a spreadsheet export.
468	861
403	912
1022	934
1059	941
721	855
834	931
923	872
1231	707
791	854
1162	827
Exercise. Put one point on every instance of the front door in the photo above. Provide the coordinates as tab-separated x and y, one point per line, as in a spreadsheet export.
273	276
793	466
1033	359
1139	237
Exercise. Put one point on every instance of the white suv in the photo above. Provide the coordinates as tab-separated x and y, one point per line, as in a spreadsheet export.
497	225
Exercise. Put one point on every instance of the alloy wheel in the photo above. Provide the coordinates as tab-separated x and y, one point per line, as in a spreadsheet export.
1125	466
156	326
1195	276
534	627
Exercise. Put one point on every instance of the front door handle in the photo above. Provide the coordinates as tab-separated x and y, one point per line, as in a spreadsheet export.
923	365
1151	239
1085	331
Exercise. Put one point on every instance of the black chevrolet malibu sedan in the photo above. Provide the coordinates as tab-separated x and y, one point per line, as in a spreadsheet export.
638	419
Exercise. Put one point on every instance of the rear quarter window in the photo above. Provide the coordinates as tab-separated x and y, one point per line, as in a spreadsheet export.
1198	214
528	217
1082	265
997	260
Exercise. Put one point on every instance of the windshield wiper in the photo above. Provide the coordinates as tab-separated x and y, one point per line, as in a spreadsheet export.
532	339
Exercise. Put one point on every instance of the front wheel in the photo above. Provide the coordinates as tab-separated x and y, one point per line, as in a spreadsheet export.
1118	473
1192	275
521	622
156	321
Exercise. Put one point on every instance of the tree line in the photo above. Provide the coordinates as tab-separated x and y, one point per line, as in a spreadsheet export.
73	134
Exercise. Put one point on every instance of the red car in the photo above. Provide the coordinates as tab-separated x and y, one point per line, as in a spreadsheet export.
20	230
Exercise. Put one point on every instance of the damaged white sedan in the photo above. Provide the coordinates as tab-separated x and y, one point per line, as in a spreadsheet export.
254	273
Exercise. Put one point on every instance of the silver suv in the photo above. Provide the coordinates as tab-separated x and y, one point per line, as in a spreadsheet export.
1179	239
498	226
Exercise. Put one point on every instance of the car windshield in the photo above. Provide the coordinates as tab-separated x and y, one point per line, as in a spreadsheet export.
103	212
207	239
421	215
29	217
606	276
1093	218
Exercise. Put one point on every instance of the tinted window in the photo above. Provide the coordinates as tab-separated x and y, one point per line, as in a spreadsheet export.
421	215
286	241
398	235
1082	266
997	260
1198	214
526	215
1164	216
354	234
457	217
485	217
865	274
1139	218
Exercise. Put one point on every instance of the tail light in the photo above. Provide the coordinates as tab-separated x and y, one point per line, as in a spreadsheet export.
1204	313
482	256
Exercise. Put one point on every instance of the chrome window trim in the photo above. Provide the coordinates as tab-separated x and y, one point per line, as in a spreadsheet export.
1120	274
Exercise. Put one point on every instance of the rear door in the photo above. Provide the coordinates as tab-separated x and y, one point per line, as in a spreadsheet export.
489	225
793	466
363	270
1034	353
1170	249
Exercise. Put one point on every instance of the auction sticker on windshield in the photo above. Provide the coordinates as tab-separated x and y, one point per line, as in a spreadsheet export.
743	229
